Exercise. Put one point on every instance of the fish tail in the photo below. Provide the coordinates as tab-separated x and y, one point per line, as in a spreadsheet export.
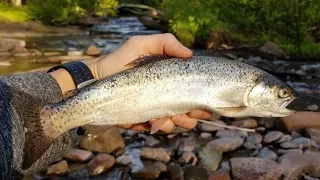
39	130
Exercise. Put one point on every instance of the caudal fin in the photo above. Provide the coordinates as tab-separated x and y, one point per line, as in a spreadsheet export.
39	131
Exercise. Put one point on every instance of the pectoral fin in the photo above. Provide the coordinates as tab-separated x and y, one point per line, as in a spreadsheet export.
157	124
233	111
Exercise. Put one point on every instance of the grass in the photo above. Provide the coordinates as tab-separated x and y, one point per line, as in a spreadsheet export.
307	48
9	14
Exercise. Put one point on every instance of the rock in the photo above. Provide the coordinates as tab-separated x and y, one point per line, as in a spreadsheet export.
58	168
231	133
151	141
313	107
225	166
150	172
247	123
5	64
219	175
100	163
265	153
272	136
8	44
249	168
189	143
93	51
123	159
170	136
131	133
208	127
286	151
314	134
284	138
249	145
52	53
260	129
35	52
305	142
271	48
226	144
315	166
267	122
210	157
175	171
205	135
188	157
78	155
158	154
291	145
195	173
107	142
19	49
75	53
295	134
259	145
301	120
254	138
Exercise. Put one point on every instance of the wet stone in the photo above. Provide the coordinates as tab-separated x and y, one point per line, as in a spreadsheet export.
249	146
174	171
231	133
195	173
314	134
226	144
266	153
259	145
100	163
272	136
305	142
286	151
219	175
210	157
267	122
188	158
158	154
247	123
225	166
291	145
312	107
248	168
205	135
123	159
58	168
208	127
254	138
150	172
78	155
151	141
284	138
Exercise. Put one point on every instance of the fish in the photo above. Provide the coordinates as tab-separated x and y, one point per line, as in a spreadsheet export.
162	87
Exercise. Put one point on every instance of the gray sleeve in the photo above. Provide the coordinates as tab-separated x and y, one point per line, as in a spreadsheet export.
12	137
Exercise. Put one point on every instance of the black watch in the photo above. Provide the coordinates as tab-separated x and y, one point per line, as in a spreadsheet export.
80	73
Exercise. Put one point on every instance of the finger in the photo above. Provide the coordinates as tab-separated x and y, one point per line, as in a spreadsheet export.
184	121
167	127
199	114
167	44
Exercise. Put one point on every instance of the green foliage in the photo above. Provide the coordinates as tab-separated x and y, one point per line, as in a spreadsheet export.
63	12
12	14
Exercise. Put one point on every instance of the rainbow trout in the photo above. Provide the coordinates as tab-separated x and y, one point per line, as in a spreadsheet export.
162	88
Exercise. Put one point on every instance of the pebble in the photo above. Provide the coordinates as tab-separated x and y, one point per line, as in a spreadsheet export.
188	158
123	159
291	145
205	135
78	155
225	166
284	138
100	163
131	133
195	173
175	171
231	133
305	142
208	127
150	172
170	136
265	153
210	157
93	51
260	129
107	142
259	145
58	168
314	134
272	136
254	138
249	168
295	134
151	141
158	154
247	123
285	151
219	175
267	122
227	144
75	53
313	107
249	145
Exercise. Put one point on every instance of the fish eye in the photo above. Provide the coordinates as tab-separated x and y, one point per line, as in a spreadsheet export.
284	93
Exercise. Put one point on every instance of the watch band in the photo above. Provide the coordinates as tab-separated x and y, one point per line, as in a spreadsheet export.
79	72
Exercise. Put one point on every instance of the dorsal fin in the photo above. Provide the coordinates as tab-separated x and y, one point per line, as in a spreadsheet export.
147	58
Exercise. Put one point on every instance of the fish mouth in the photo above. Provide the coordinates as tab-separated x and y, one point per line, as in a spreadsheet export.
283	110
